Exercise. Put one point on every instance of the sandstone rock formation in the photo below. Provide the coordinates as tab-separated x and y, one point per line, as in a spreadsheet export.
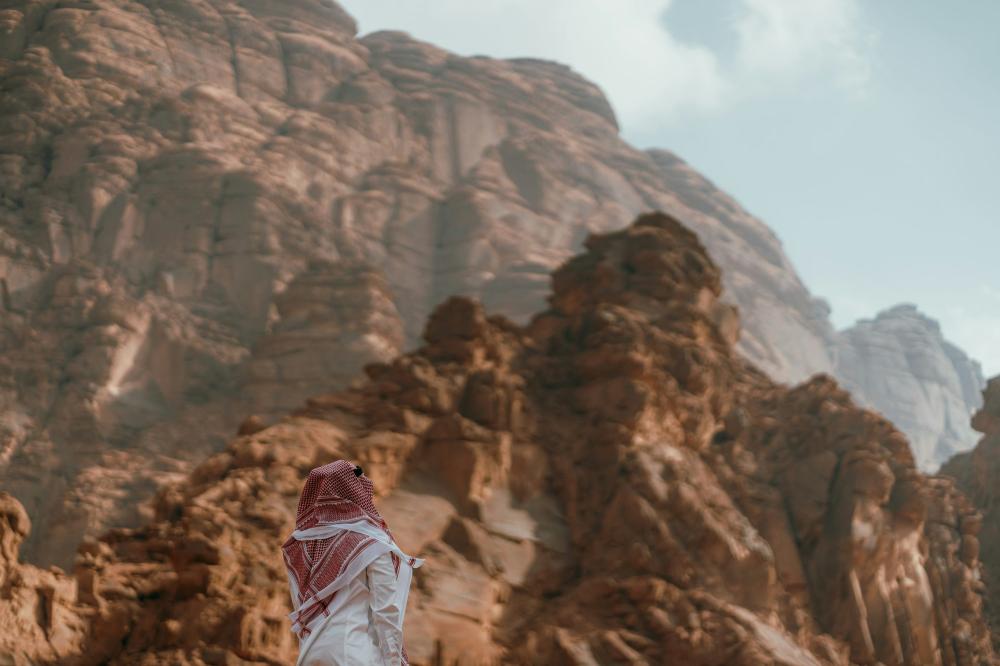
192	192
39	619
900	364
331	320
610	484
977	473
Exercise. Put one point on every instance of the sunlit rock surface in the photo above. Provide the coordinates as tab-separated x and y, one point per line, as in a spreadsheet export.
212	208
612	483
978	476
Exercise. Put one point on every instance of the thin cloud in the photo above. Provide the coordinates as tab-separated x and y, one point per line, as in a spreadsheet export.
789	39
649	75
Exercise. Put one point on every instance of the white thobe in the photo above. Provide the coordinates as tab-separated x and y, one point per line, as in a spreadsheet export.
364	626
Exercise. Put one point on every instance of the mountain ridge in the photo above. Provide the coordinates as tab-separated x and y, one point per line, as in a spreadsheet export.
610	483
193	193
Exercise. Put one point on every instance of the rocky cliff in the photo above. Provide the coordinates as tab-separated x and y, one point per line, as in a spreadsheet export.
900	364
977	473
612	483
194	193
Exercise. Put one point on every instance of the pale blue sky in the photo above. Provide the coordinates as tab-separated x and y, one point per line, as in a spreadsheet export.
866	134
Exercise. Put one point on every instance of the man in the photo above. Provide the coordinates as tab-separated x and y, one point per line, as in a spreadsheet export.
349	580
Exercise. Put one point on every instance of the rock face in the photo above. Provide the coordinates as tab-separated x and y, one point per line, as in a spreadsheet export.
331	320
39	619
193	193
901	365
612	483
977	472
786	330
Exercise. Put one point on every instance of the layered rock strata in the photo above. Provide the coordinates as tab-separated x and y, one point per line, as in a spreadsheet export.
612	483
175	176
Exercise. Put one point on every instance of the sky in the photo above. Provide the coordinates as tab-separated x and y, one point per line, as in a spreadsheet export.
864	132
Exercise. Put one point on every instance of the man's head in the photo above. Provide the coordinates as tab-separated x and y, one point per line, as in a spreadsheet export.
336	481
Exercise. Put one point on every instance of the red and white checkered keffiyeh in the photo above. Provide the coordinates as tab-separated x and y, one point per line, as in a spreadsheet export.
332	494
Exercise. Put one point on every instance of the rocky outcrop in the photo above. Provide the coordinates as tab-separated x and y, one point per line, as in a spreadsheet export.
611	483
39	619
900	364
331	320
844	521
188	189
977	472
98	388
786	330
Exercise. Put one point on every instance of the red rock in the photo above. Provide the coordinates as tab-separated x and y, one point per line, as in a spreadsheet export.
805	535
976	473
219	208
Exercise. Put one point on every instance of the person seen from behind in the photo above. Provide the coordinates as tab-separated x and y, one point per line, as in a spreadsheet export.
348	579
